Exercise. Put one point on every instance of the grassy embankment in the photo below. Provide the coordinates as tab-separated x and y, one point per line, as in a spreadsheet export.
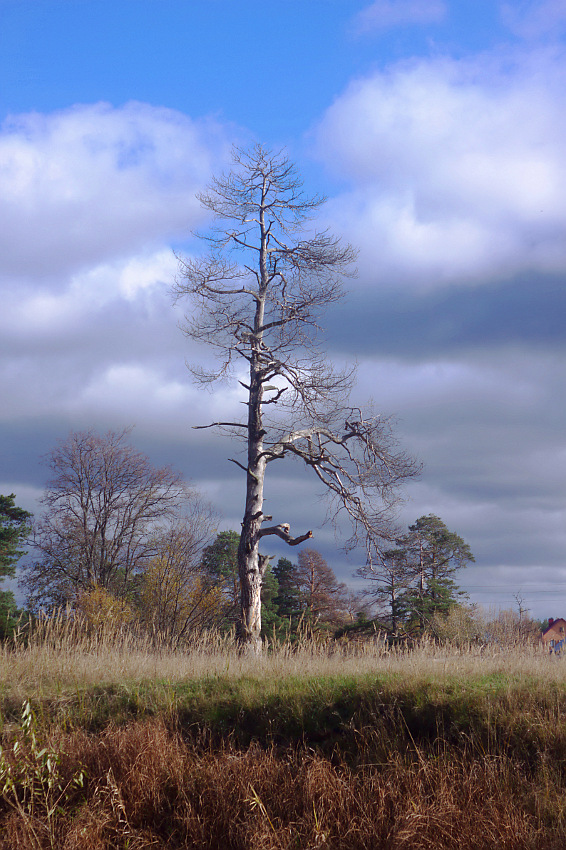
356	748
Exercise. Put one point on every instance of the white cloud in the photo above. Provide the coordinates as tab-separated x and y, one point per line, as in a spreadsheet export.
127	387
154	395
386	14
89	198
93	182
458	169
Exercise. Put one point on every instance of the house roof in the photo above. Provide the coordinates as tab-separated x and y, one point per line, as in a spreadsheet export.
559	622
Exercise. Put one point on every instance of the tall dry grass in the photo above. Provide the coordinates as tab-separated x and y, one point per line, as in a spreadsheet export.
59	656
147	787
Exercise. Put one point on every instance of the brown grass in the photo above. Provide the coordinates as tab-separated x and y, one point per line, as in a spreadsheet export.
441	747
148	787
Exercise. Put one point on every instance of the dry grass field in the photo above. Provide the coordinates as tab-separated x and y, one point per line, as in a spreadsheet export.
60	657
109	742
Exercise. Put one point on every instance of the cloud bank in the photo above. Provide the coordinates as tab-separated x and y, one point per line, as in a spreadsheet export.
457	169
95	182
453	184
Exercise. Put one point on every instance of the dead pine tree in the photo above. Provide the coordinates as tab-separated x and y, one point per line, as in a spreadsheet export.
255	300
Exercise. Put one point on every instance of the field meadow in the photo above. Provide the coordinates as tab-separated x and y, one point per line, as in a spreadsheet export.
111	741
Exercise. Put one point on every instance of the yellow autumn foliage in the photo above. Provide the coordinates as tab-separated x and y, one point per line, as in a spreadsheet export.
175	599
101	610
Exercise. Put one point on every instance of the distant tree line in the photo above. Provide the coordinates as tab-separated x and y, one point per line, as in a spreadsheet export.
120	540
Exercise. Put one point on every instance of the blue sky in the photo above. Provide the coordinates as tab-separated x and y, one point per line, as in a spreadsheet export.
437	131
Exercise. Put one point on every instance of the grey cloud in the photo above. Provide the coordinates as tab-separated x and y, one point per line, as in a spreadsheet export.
527	310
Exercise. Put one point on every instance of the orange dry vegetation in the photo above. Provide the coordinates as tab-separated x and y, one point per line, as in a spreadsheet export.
149	787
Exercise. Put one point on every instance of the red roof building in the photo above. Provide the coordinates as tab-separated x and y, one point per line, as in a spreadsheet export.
555	633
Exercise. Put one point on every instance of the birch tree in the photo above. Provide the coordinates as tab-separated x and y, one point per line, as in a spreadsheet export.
255	300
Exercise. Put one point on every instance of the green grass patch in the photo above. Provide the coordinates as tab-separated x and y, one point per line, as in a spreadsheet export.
358	716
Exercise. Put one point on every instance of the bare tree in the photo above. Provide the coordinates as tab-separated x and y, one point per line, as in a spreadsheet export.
521	609
323	598
102	508
255	300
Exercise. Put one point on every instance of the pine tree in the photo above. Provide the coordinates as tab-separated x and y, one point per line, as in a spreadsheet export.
435	554
14	528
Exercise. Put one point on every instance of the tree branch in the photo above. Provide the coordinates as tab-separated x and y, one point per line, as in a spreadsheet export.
282	531
214	424
244	468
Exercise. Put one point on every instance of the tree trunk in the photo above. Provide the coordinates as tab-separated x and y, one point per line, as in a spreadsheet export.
393	602
251	565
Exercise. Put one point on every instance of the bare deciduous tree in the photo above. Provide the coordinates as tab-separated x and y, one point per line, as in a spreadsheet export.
255	300
101	511
322	596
